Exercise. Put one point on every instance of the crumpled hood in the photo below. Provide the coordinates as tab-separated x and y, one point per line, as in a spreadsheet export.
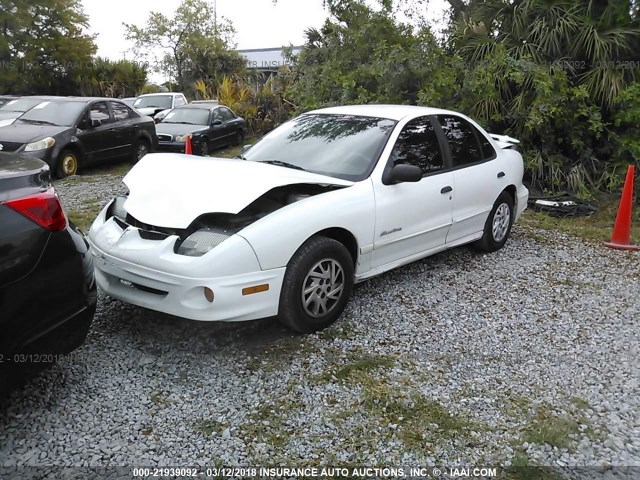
24	133
171	190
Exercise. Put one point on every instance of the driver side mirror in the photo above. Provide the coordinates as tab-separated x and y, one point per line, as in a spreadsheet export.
402	173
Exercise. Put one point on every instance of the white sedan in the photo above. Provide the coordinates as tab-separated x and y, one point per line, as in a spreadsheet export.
330	198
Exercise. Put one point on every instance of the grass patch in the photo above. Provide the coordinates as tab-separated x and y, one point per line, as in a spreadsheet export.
118	169
358	365
84	217
550	429
521	469
208	426
418	419
595	228
580	403
231	152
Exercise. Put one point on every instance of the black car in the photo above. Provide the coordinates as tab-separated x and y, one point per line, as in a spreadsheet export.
16	107
209	125
47	285
73	132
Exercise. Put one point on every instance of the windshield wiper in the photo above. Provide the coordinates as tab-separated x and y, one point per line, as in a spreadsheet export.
38	122
280	163
182	123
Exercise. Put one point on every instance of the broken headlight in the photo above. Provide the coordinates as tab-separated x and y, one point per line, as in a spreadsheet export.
202	241
116	209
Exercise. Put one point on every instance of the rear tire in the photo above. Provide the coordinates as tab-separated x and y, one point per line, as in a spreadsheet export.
68	164
498	225
317	285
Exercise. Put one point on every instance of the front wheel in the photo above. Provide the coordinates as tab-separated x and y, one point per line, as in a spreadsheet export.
204	149
316	286
238	138
498	225
141	148
67	164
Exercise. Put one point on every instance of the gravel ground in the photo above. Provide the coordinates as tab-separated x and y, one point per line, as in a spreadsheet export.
525	356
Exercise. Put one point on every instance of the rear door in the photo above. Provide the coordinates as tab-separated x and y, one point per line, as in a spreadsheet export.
412	218
124	129
477	176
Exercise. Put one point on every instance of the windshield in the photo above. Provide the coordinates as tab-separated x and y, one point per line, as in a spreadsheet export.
20	104
192	116
64	114
154	101
341	146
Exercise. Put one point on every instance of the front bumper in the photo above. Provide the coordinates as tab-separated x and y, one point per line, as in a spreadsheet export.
177	147
184	296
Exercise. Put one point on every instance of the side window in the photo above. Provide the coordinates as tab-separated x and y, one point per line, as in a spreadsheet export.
100	111
463	140
179	101
217	114
418	145
488	152
227	114
120	111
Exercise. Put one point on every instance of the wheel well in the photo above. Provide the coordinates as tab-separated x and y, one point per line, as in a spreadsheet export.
345	237
511	190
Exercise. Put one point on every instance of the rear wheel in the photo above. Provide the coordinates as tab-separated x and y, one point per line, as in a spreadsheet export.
141	148
68	164
316	286
498	225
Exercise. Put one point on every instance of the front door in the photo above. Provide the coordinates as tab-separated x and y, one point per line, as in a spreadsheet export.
96	141
412	218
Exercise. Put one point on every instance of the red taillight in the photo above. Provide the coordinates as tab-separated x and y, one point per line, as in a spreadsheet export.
43	208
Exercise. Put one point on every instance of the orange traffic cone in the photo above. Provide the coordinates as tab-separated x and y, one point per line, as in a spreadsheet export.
621	235
187	146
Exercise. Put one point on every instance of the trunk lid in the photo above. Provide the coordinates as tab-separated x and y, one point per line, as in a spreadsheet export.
21	175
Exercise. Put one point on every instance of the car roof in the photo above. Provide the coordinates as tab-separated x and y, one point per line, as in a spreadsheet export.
82	99
199	106
392	112
174	94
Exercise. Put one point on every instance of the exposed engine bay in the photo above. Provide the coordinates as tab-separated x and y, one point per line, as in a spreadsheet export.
222	225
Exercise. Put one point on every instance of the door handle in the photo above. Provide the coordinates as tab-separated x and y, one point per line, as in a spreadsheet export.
446	189
500	174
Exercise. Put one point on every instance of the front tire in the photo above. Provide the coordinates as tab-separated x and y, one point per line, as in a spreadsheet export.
68	164
317	285
141	148
498	225
238	138
204	149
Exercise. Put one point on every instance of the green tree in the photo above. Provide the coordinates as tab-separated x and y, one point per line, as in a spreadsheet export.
104	77
43	46
363	55
195	44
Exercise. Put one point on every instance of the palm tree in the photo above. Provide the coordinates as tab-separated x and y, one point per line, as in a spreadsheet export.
592	41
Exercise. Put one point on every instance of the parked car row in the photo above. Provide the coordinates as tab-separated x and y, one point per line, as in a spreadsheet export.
70	133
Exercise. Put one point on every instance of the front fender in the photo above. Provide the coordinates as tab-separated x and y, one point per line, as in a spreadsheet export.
276	237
